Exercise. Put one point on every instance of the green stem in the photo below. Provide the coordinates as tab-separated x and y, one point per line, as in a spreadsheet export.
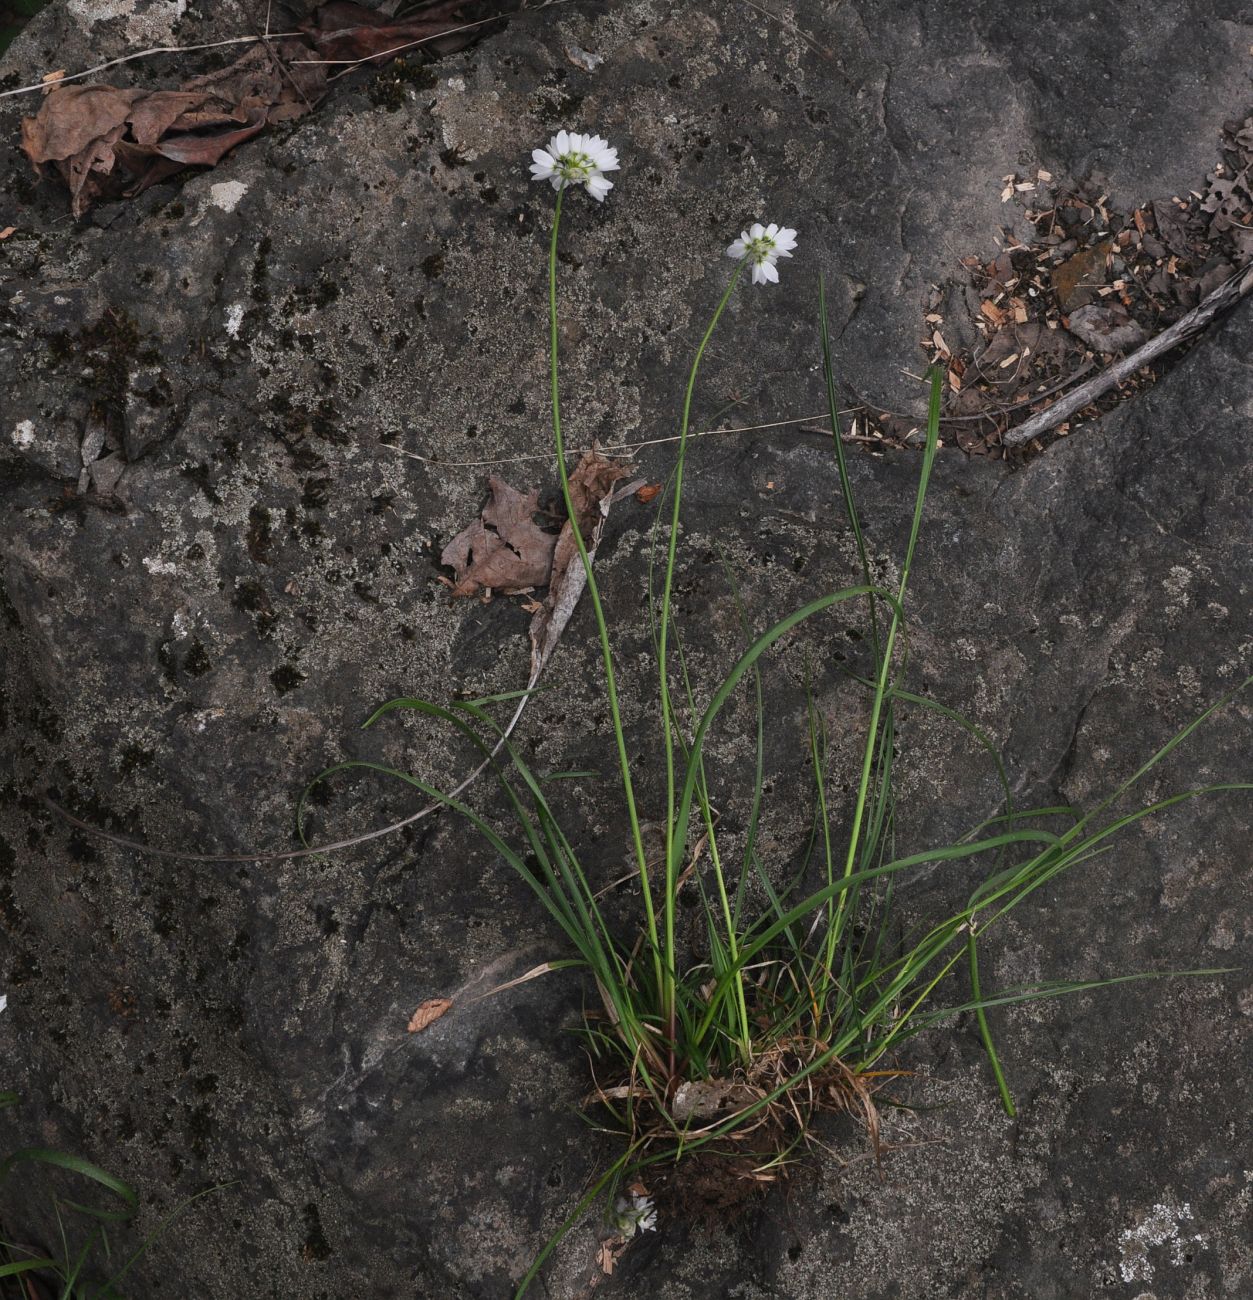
602	628
985	1032
885	666
674	851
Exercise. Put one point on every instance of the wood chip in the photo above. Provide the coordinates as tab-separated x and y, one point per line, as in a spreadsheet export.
7	231
428	1013
992	312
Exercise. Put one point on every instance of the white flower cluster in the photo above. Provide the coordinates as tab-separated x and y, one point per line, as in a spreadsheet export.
763	246
573	159
635	1215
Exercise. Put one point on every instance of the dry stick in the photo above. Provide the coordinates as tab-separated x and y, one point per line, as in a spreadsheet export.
542	651
992	415
141	54
630	448
620	449
250	40
1186	327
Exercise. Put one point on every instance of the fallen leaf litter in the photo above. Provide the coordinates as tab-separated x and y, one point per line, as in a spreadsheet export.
1092	284
110	142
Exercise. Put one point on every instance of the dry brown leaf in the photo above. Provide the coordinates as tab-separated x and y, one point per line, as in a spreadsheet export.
1106	328
71	118
504	549
153	115
7	231
590	483
207	151
428	1013
1075	279
647	493
711	1098
343	30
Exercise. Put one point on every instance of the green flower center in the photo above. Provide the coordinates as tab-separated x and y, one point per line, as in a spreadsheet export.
758	250
574	166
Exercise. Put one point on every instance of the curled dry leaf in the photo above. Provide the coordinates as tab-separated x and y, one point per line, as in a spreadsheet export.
428	1013
347	31
1106	328
712	1099
503	549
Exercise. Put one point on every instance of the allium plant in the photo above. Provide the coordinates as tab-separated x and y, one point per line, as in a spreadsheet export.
797	1006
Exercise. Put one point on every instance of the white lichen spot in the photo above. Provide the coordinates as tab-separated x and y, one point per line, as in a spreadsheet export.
159	566
182	624
145	23
456	83
23	435
584	59
226	194
1161	1228
234	319
1177	582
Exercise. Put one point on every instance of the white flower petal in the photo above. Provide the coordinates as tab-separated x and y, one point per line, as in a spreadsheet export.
736	250
785	240
562	141
769	273
756	230
598	187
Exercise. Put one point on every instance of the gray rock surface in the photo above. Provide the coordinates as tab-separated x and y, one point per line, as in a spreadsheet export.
180	658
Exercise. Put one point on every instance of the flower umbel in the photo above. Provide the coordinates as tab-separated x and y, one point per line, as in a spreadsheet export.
635	1215
574	159
763	246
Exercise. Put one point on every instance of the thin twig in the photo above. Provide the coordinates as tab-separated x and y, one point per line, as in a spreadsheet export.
1186	327
790	26
623	449
1029	400
539	662
142	54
